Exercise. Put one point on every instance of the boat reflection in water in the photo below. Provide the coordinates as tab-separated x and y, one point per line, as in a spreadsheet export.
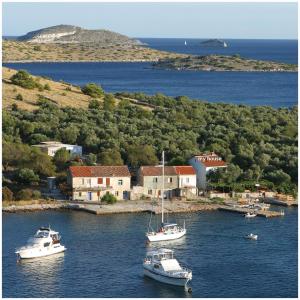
43	273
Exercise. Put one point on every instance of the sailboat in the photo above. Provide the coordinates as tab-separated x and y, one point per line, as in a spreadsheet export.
185	43
167	231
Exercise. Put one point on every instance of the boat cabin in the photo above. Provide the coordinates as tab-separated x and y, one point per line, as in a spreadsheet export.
162	254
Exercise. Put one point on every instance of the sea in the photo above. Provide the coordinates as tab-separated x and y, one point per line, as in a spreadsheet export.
105	253
276	89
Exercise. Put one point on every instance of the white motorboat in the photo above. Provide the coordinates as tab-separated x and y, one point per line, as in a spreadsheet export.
251	236
167	231
44	242
250	215
162	266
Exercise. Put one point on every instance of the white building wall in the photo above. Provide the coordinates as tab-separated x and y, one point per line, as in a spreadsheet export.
187	180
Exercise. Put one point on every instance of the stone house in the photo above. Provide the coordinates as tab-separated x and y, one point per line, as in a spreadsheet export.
91	183
178	181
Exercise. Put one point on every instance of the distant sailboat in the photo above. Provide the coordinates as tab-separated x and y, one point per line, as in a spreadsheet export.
185	43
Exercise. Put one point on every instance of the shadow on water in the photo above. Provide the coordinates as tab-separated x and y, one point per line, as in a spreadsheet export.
164	290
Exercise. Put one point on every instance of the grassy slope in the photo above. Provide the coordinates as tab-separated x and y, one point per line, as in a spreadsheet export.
23	51
58	94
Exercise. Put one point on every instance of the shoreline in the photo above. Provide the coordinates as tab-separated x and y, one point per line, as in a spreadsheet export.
117	208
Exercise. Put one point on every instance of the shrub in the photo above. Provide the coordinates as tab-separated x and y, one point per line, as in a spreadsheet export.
109	199
37	48
7	194
68	88
24	194
47	87
94	104
19	97
27	176
93	90
36	194
22	78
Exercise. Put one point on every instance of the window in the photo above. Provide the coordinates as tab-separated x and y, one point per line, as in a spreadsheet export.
149	192
89	181
170	180
100	180
117	193
187	180
120	182
82	180
79	194
155	179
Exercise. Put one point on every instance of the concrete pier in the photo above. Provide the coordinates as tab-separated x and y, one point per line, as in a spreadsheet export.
260	213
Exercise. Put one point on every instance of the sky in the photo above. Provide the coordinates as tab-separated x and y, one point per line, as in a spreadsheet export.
158	20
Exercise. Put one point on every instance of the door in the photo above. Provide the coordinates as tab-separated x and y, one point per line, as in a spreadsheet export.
107	181
89	194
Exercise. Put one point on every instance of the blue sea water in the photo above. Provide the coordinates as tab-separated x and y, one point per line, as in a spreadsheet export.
104	256
277	89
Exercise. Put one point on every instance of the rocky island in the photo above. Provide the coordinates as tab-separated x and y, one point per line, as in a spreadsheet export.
66	43
214	43
223	63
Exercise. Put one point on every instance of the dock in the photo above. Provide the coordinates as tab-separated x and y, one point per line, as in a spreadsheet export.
276	201
260	213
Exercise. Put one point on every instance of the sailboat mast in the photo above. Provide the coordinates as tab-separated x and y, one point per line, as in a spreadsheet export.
163	187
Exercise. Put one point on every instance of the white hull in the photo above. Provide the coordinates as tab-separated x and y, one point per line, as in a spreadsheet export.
39	252
166	279
162	236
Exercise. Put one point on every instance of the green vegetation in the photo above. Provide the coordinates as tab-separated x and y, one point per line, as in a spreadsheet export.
109	199
22	78
19	97
223	63
258	143
93	90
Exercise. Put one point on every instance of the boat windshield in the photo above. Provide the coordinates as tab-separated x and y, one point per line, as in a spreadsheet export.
41	234
162	256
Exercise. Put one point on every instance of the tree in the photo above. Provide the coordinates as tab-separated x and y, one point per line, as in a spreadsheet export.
110	157
27	176
69	134
138	155
109	102
91	159
61	157
7	194
93	90
22	78
109	199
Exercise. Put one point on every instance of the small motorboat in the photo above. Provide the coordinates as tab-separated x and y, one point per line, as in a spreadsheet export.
162	266
250	215
45	242
251	236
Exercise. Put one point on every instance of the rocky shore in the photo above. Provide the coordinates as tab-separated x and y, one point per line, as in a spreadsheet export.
223	63
175	206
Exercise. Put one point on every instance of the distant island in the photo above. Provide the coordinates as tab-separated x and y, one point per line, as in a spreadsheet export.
214	43
66	43
223	63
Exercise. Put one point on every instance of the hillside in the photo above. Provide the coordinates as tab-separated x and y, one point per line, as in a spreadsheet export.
223	63
75	34
61	93
65	43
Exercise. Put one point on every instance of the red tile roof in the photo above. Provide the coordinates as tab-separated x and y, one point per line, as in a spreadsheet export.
169	170
99	171
185	170
157	170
